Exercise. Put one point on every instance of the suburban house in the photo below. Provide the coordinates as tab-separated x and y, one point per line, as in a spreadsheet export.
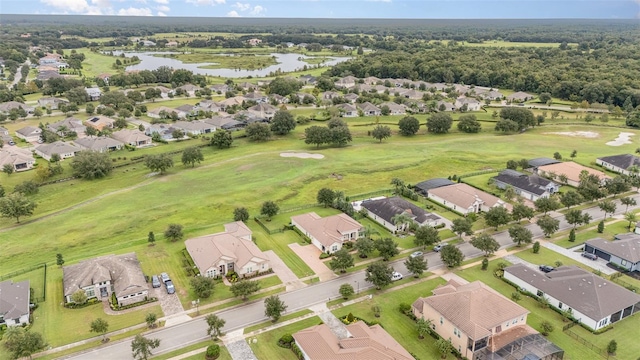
520	96
29	133
219	88
445	106
63	149
224	123
6	107
164	131
489	94
256	96
104	77
619	163
465	199
351	97
623	251
171	44
263	110
369	109
51	102
372	80
347	110
384	210
424	186
410	94
165	91
100	277
531	187
165	112
195	127
328	233
4	135
189	89
361	342
346	82
147	43
20	159
481	323
247	86
230	251
591	300
394	109
254	42
330	95
93	93
15	301
100	122
190	110
132	137
471	104
571	170
99	143
67	125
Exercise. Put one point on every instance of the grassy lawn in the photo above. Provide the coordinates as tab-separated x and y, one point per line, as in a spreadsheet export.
610	230
283	318
266	347
401	327
224	353
548	257
60	325
279	243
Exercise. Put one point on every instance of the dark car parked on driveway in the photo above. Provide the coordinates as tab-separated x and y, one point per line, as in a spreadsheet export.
170	288
590	256
546	268
155	282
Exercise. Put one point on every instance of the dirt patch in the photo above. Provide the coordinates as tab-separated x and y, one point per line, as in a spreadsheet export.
584	134
336	176
302	155
622	139
246	167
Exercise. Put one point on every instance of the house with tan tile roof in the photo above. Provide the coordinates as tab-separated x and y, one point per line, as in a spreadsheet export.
100	277
571	170
232	250
362	343
328	233
465	199
20	159
471	315
100	122
132	137
592	300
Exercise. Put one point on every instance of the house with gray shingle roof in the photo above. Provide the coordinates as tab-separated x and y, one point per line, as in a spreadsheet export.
369	109
619	163
592	300
347	110
15	300
63	149
100	144
531	187
383	211
329	233
29	133
100	277
623	251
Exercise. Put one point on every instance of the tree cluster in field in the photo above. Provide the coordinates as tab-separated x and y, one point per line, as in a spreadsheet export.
336	133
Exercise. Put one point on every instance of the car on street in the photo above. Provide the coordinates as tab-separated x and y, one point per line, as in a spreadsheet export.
546	268
437	248
416	254
590	256
165	277
170	288
155	282
396	276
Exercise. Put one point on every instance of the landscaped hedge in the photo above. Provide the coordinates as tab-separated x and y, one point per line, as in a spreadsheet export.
89	302
286	341
296	350
116	307
256	274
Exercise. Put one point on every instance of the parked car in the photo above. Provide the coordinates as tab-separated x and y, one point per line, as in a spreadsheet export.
437	248
590	256
155	282
165	277
396	276
546	268
416	254
170	288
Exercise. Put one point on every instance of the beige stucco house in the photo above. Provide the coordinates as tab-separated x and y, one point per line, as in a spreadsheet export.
329	233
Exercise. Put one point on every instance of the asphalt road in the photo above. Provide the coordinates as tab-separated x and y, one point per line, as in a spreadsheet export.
181	335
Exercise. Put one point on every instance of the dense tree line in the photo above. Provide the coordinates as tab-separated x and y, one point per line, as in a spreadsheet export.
604	75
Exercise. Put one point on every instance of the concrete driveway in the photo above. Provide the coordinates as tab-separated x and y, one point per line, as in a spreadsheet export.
285	274
311	256
170	303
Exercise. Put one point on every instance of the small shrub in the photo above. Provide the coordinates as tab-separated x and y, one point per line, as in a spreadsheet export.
285	341
213	352
536	247
324	256
485	264
404	308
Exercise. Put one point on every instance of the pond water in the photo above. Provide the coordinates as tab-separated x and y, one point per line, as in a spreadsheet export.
286	63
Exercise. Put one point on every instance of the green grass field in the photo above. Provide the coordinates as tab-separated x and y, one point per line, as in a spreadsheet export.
266	347
239	61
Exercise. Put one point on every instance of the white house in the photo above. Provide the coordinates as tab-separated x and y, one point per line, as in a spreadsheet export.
15	300
619	163
328	233
530	187
465	199
624	251
591	300
29	133
384	210
63	149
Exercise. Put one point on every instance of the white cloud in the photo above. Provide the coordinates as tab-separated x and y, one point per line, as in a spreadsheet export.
206	2
160	13
242	7
258	10
70	5
141	1
161	1
233	13
131	11
163	8
101	3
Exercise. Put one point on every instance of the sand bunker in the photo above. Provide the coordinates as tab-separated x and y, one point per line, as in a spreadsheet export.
302	155
622	139
584	134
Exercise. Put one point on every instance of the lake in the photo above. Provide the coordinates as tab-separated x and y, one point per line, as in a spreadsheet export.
286	63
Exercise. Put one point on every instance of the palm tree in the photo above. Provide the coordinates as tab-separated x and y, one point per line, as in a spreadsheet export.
630	217
399	220
370	230
424	327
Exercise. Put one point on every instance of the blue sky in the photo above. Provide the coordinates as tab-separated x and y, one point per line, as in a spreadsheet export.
427	9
